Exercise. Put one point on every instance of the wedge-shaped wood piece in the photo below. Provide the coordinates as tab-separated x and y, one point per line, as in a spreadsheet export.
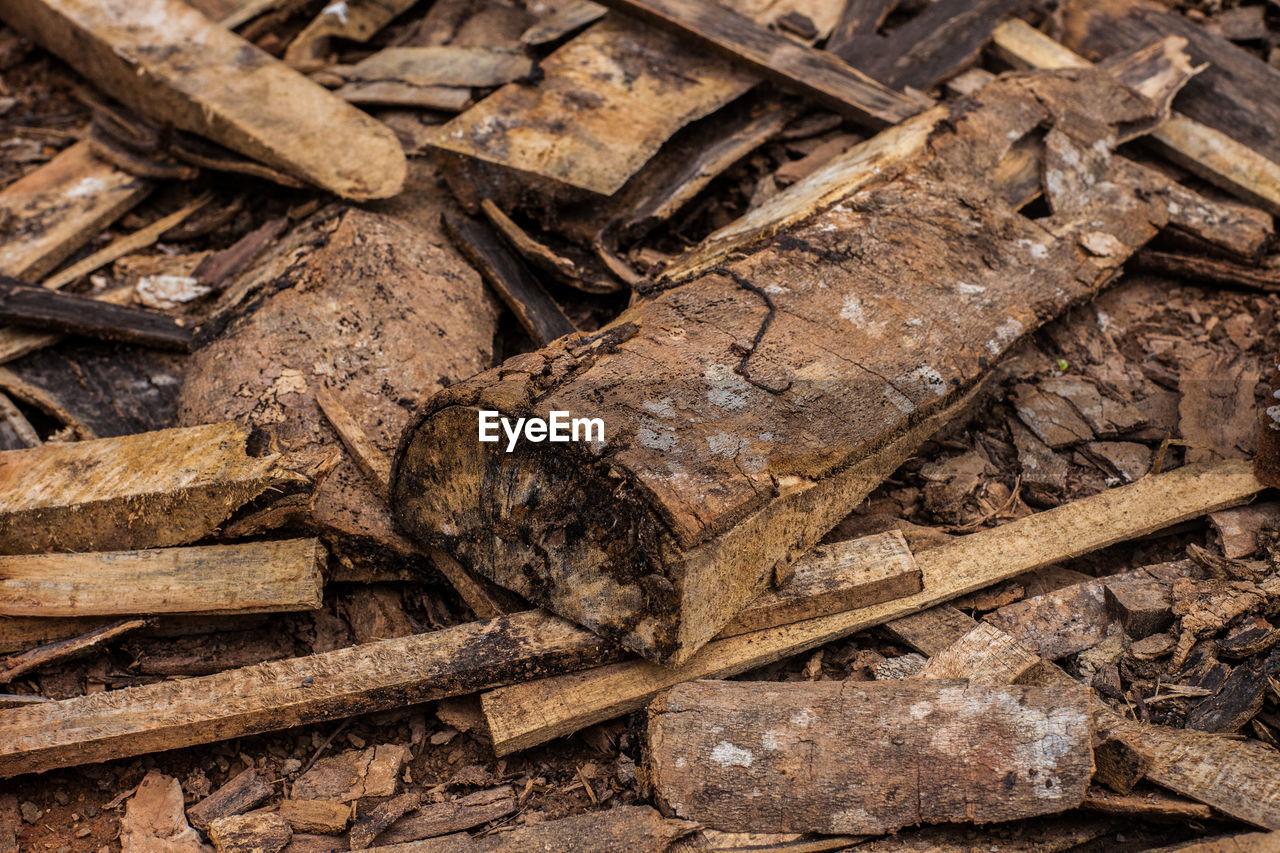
256	577
867	758
728	443
524	715
833	578
152	489
168	61
282	694
60	207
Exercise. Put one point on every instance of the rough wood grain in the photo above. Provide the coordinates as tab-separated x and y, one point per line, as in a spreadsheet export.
524	715
867	757
66	313
282	694
968	657
239	794
153	489
775	350
211	82
276	576
13	666
1150	804
465	812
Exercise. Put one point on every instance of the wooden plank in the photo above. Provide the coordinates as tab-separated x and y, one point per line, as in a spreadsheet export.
16	342
457	815
527	714
813	72
17	665
255	577
1209	152
60	207
1145	805
833	578
828	757
764	336
216	84
282	694
154	489
66	313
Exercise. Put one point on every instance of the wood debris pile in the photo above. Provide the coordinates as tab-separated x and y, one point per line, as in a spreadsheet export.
924	354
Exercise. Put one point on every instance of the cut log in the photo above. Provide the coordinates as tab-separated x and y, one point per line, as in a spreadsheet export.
139	491
242	792
867	757
524	715
282	694
65	313
716	452
211	82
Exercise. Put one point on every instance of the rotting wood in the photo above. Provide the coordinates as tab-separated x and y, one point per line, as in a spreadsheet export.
17	342
573	15
325	816
154	489
218	267
440	66
1246	842
1035	835
1212	270
962	659
242	792
381	816
834	578
217	85
61	206
13	666
66	313
525	715
259	832
859	19
273	576
763	337
1147	805
282	694
372	462
827	757
358	21
1058	623
466	812
153	818
16	432
1117	764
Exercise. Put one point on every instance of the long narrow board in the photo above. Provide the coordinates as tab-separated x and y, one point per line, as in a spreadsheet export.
524	715
256	577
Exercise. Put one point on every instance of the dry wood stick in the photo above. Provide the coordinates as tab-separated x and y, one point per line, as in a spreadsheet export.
10	414
66	313
255	577
14	666
282	694
525	715
16	342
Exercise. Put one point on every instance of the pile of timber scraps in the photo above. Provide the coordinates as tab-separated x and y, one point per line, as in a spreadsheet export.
261	509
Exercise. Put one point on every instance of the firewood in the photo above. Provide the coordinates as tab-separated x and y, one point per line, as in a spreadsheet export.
282	694
242	792
153	818
524	715
329	817
1150	804
381	816
260	832
218	85
829	757
65	313
739	374
139	491
466	812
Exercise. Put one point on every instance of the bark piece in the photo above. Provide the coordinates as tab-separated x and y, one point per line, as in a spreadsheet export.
241	792
1054	421
211	82
261	832
153	820
965	659
747	369
154	489
375	613
283	694
351	775
277	576
370	826
830	757
832	578
60	207
1238	529
625	829
329	817
1238	700
457	815
1058	623
1147	805
527	714
14	666
1245	842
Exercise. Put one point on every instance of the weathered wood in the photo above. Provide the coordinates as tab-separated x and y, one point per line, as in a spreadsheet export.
1248	842
263	577
372	462
563	20
154	489
242	792
537	312
858	19
931	631
381	816
466	812
1212	270
260	832
16	432
60	207
326	816
833	578
1058	623
153	818
801	318
17	342
794	64
1035	835
14	666
1118	765
440	66
966	659
354	774
65	313
524	715
218	85
1147	805
830	757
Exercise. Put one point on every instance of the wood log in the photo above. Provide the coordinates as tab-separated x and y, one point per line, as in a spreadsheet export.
213	83
282	694
66	313
153	489
867	757
524	715
776	348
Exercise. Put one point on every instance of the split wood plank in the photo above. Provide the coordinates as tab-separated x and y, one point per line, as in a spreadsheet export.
211	82
255	577
61	206
525	715
153	489
691	535
834	578
282	694
67	313
1251	173
17	665
1149	805
867	758
817	73
16	341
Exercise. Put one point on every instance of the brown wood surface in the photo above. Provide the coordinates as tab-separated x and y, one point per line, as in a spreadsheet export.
867	758
66	313
13	666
